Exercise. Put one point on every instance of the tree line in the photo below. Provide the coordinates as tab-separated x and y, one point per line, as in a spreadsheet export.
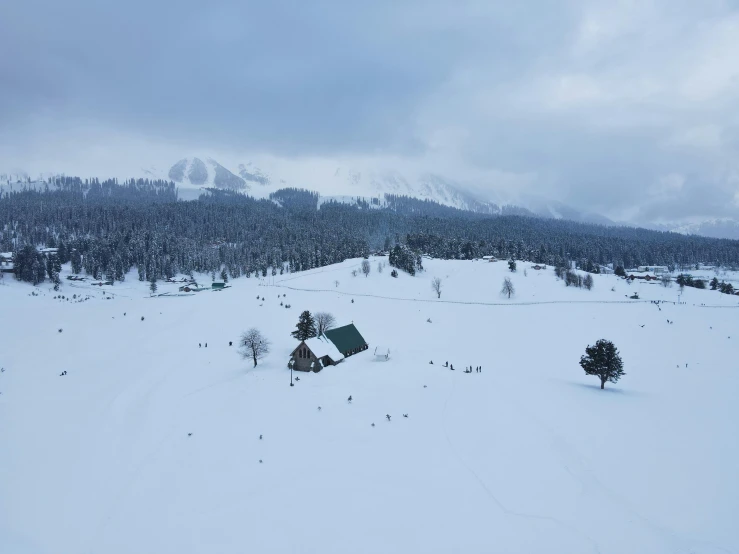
108	228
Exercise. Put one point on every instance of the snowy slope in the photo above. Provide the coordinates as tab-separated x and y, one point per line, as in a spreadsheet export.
196	173
528	456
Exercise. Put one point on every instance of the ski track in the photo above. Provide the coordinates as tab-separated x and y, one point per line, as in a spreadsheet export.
506	511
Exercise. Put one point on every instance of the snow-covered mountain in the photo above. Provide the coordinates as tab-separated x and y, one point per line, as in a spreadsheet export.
194	172
348	183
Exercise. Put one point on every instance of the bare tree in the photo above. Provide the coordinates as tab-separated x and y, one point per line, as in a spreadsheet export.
324	322
379	267
253	345
665	280
507	287
336	283
436	286
366	267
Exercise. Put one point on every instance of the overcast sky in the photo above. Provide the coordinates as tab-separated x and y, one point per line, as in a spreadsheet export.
626	108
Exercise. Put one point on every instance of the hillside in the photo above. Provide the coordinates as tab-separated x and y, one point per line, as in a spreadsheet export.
527	456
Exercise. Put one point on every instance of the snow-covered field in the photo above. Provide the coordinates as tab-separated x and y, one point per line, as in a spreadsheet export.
528	456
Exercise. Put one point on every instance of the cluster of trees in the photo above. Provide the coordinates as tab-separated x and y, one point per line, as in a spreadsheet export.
724	287
573	279
108	228
405	259
310	325
685	280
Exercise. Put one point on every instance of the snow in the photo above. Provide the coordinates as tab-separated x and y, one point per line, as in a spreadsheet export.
527	456
321	346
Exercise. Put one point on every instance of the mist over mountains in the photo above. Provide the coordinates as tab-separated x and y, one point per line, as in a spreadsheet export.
346	183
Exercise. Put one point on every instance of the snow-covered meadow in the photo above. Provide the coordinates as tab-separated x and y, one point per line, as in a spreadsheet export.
527	456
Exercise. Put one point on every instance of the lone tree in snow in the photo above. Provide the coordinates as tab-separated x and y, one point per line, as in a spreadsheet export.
436	286
666	280
324	321
512	265
253	345
306	327
366	267
604	361
588	282
507	287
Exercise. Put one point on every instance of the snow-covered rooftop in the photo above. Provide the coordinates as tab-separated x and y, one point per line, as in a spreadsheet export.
321	346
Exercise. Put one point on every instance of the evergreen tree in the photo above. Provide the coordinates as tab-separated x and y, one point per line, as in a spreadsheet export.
603	361
76	259
588	281
306	327
714	283
620	271
512	265
224	275
153	285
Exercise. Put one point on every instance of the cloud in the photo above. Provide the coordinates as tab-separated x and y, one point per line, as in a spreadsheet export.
582	101
667	185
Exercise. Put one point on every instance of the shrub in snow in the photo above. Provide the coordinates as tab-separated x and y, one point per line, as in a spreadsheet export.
394	273
436	286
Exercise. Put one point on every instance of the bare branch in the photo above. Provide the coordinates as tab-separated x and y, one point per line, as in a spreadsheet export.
253	346
436	286
507	287
324	322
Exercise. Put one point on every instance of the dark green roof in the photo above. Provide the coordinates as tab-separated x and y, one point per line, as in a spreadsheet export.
346	338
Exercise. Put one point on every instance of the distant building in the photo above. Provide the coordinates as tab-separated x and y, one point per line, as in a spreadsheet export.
382	353
6	262
347	340
314	354
653	269
490	258
329	349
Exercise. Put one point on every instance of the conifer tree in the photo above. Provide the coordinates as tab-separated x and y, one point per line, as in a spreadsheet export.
603	361
306	327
